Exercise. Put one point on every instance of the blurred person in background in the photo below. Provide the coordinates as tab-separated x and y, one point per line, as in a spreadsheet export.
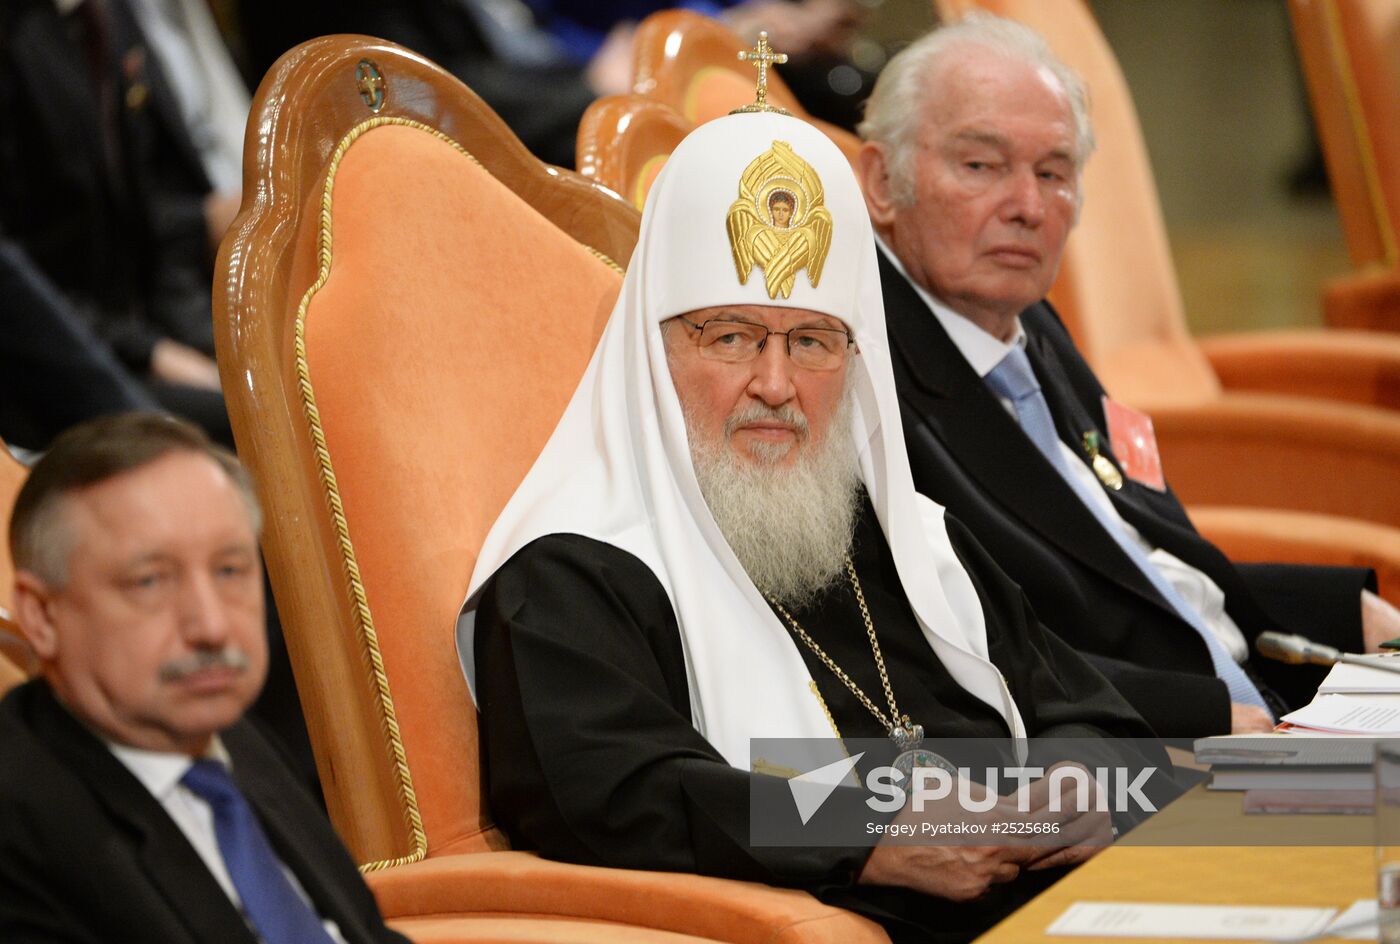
496	47
54	371
815	34
120	147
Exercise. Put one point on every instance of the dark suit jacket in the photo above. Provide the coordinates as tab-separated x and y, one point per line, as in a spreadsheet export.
87	854
116	221
968	453
53	371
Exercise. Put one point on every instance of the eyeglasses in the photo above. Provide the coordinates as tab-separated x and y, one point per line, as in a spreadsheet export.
737	342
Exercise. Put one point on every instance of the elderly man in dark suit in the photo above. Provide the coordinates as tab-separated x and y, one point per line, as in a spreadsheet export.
975	138
138	805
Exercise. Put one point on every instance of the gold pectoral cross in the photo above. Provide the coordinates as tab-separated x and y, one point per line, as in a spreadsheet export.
762	56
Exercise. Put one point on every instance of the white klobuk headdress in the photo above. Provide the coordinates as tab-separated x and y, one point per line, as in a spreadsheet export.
618	467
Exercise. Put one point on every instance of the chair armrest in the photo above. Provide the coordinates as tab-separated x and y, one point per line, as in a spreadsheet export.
522	884
1299	537
1269	451
1367	300
1355	366
476	929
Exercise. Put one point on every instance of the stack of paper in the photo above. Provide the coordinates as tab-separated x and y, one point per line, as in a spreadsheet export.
1273	750
1349	678
1344	714
1318	773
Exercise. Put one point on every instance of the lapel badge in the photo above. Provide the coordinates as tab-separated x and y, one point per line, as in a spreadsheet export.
1106	471
136	96
133	67
780	222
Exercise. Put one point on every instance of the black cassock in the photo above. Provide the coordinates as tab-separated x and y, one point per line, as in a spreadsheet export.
590	755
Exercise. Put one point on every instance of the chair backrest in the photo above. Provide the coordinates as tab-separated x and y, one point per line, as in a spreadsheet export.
1351	57
1117	288
624	140
403	308
691	63
16	660
12	476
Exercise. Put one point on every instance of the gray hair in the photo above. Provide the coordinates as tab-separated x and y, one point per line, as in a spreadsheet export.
93	452
903	88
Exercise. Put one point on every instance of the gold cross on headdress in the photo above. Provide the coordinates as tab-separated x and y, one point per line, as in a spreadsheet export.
762	56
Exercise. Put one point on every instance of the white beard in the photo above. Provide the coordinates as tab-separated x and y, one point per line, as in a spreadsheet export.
791	528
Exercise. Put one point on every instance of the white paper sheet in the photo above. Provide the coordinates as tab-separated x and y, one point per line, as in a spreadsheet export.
1344	714
1350	678
1357	923
1190	922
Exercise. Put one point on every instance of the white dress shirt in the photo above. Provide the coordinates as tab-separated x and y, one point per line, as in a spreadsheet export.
160	774
983	352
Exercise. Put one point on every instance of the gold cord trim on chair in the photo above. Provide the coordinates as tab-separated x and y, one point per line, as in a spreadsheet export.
1361	131
601	257
364	619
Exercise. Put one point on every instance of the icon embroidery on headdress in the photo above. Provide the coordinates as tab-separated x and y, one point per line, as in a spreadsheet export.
779	222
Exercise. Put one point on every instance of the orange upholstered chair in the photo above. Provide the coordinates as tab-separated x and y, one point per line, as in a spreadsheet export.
1351	57
403	308
12	476
1296	537
623	141
16	660
691	63
1231	424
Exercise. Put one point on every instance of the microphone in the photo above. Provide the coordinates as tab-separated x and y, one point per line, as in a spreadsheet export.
1299	650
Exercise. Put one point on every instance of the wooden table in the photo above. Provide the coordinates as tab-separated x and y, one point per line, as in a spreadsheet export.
1330	876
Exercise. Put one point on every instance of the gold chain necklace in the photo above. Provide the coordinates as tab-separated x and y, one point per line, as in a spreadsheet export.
905	734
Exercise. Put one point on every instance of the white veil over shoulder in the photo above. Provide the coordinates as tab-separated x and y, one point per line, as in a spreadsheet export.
618	467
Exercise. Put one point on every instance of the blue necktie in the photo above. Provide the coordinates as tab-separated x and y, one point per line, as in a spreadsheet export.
1014	379
272	905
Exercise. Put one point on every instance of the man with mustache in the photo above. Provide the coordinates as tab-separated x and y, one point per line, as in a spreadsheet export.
721	542
138	805
976	136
